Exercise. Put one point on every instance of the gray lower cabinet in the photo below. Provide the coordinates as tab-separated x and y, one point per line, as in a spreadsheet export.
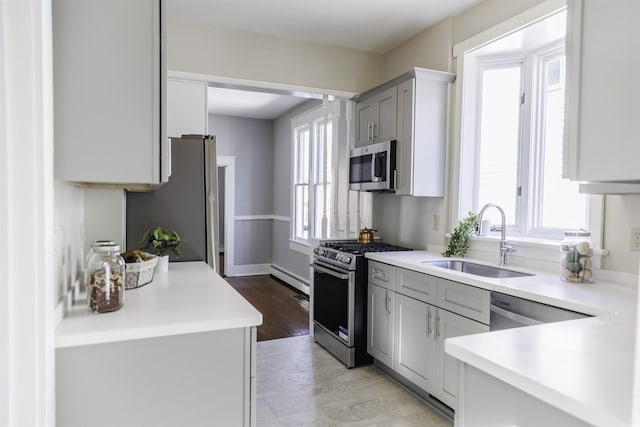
415	345
407	328
380	323
449	325
194	379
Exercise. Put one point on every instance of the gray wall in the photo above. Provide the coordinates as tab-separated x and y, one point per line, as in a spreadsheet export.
251	142
283	257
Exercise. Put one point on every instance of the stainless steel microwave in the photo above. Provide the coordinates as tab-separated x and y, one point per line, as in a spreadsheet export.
373	167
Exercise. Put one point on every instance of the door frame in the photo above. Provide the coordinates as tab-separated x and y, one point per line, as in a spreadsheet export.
228	165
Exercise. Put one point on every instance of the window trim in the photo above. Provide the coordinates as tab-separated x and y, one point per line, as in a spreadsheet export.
459	160
310	119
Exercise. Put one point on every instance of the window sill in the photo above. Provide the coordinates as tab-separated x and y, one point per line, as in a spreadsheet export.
298	246
538	254
520	241
549	244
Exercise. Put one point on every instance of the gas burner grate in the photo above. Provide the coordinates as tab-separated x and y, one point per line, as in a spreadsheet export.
361	248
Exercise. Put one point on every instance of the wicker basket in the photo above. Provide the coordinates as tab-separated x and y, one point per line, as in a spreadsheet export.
140	273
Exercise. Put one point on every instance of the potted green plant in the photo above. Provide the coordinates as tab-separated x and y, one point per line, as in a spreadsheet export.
162	243
459	240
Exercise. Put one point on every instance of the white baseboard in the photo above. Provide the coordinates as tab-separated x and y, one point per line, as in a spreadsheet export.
290	279
247	270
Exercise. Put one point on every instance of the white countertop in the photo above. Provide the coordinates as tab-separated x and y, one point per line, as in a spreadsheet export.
189	298
583	367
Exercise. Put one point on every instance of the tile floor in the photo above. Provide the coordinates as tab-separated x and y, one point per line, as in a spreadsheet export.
300	384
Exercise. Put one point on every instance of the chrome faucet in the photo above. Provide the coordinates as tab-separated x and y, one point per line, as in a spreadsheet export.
504	248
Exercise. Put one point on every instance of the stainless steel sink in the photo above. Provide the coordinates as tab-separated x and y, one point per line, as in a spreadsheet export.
477	269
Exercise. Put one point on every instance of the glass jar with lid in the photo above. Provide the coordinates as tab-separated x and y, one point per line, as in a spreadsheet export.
575	257
105	279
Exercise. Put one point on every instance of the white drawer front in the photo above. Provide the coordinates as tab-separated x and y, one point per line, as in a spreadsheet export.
464	300
416	285
382	275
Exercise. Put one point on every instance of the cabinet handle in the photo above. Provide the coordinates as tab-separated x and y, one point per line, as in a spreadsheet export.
437	326
379	275
387	302
373	130
429	316
369	132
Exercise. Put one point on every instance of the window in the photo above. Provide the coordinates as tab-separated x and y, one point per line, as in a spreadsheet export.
312	175
512	133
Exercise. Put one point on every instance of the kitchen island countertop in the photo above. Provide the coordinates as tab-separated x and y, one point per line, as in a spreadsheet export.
189	298
583	367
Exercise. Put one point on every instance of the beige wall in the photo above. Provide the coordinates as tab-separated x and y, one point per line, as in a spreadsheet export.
429	49
204	49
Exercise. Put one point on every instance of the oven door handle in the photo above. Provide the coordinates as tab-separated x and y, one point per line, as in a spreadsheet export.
333	273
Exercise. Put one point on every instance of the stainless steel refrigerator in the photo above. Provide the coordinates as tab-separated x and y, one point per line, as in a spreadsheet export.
188	203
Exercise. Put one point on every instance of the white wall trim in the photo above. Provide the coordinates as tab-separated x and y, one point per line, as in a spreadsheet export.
236	83
27	306
261	217
253	217
248	270
229	165
290	278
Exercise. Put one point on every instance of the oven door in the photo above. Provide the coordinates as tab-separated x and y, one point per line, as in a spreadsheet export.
334	301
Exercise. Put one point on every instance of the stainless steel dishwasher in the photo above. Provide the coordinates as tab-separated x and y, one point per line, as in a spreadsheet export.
513	312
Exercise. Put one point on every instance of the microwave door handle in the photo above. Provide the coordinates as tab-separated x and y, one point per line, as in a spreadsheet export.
377	166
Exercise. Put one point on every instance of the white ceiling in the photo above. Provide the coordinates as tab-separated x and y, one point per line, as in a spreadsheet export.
369	25
254	105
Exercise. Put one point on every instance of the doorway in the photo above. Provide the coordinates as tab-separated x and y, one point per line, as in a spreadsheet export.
226	212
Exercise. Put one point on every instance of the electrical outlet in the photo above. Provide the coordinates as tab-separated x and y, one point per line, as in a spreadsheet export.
635	239
435	222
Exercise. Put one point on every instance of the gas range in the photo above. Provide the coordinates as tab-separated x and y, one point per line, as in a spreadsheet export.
345	253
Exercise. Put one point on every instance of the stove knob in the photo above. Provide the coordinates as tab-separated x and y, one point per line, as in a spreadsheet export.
347	259
316	250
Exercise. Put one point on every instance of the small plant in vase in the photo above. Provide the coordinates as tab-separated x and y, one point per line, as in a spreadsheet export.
459	240
162	243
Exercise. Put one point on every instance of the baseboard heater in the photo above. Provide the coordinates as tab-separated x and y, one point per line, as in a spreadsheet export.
291	279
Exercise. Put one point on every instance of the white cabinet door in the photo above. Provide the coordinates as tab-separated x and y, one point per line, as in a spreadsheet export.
380	324
602	109
364	119
414	341
109	91
376	118
449	325
186	108
385	123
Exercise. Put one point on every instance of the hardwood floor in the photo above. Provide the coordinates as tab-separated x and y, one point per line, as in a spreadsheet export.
285	311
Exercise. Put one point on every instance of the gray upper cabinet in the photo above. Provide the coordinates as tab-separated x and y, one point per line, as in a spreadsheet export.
602	127
411	109
376	117
109	91
422	133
